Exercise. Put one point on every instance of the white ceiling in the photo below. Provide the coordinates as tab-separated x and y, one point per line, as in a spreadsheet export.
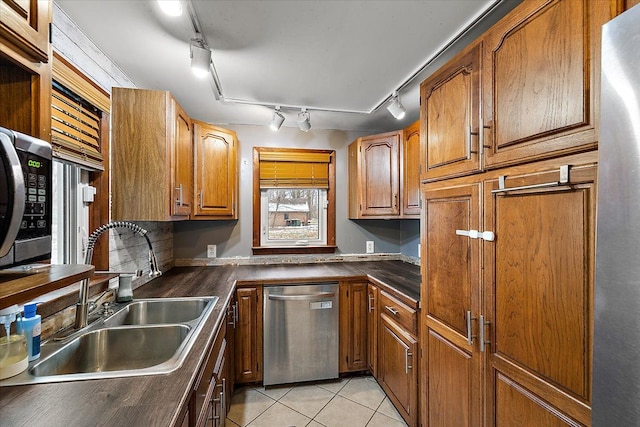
326	55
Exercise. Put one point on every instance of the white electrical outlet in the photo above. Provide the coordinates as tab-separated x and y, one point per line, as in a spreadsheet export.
211	251
370	246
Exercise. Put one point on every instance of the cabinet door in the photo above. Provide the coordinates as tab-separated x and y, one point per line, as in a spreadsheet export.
380	175
353	326
398	371
182	162
411	172
215	172
248	339
25	24
373	318
541	80
452	362
539	299
450	115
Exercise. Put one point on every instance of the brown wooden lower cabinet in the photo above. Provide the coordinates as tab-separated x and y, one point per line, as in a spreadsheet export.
353	326
248	336
208	405
373	319
398	368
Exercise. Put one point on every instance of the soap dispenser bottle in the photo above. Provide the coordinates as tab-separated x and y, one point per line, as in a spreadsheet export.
30	325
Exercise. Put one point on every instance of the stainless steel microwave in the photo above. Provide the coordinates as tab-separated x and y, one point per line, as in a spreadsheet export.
25	198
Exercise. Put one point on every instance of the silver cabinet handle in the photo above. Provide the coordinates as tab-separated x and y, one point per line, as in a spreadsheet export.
564	180
391	310
303	297
470	337
370	303
235	313
407	354
223	396
179	190
232	310
483	343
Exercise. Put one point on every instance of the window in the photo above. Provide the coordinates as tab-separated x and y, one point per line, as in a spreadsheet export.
293	216
70	216
80	140
294	201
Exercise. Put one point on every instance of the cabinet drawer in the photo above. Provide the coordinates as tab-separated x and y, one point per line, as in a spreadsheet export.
399	312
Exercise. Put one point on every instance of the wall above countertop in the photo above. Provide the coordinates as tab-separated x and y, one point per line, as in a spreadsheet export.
234	238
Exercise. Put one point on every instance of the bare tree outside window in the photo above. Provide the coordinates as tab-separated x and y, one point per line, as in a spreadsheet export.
293	214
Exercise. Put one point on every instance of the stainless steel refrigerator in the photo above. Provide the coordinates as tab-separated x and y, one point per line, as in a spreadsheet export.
616	375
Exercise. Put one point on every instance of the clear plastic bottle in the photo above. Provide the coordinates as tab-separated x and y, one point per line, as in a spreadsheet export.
30	325
13	345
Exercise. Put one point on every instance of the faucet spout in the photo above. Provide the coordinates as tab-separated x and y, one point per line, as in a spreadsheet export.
154	271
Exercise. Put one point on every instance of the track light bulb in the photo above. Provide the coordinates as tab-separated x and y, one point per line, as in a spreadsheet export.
171	7
304	120
200	58
396	108
276	120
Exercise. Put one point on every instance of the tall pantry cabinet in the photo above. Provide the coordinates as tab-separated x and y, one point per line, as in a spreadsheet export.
508	224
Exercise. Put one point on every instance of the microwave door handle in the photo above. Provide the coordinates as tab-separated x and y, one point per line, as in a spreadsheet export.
8	151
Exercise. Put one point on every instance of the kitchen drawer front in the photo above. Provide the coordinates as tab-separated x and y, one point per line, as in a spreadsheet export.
404	315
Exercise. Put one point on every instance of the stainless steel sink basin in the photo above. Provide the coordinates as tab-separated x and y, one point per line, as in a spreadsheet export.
114	349
154	312
144	337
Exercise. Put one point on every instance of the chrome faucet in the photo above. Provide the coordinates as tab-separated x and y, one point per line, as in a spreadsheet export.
83	304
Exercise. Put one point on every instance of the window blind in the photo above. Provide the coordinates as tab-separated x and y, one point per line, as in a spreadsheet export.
75	129
294	168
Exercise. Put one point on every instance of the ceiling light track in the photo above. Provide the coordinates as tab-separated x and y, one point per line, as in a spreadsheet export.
391	99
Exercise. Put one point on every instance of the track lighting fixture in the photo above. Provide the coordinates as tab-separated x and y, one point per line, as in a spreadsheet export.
200	57
277	119
171	7
304	120
395	107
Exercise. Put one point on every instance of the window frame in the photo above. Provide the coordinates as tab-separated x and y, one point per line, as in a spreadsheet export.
330	246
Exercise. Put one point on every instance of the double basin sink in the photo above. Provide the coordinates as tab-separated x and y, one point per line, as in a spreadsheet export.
145	337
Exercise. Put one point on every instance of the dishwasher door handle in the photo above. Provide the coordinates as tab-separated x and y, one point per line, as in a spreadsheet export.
303	297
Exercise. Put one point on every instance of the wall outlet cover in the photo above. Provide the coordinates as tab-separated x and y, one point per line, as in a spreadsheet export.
370	247
211	251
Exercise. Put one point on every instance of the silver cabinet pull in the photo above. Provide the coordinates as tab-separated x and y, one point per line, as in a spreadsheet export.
483	343
232	310
564	180
391	310
223	396
370	303
470	337
200	197
179	190
235	313
407	354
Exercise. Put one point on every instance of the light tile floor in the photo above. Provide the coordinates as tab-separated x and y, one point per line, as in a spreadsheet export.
348	402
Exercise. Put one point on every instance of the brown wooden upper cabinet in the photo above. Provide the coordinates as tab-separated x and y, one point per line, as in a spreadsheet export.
450	114
25	26
526	90
152	156
381	182
411	171
215	172
541	79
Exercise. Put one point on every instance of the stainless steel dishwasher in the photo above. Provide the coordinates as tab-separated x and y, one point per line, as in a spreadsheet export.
300	333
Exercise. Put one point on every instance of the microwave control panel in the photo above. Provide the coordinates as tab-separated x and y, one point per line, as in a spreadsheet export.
36	220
